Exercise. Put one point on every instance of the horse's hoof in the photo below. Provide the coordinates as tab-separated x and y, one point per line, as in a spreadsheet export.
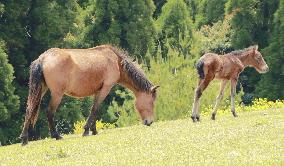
59	138
198	119
55	135
24	140
193	119
234	114
86	133
94	132
213	116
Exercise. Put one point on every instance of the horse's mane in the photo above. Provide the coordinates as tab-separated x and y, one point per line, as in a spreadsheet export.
241	52
133	70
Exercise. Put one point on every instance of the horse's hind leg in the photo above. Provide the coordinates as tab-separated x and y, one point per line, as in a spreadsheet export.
197	95
233	92
219	98
202	85
53	105
24	134
91	121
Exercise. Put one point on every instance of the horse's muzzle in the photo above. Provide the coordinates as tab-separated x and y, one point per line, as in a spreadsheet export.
147	122
265	69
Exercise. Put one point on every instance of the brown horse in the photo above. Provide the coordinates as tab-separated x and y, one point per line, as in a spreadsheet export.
81	73
225	67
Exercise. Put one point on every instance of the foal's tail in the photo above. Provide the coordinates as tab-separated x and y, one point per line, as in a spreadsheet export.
200	70
35	90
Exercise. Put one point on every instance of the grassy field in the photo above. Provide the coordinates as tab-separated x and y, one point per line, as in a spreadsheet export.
254	138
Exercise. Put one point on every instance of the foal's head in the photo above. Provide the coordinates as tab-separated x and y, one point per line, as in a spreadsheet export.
144	104
256	60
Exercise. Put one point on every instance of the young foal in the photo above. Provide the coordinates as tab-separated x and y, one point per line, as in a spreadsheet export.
85	72
225	67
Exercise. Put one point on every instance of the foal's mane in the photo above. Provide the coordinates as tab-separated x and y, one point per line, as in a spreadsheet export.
132	69
241	52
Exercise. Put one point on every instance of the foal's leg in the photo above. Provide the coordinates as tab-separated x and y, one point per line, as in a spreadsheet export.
233	92
202	85
219	98
195	106
53	104
91	121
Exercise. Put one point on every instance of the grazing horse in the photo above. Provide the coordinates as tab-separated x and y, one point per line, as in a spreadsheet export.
225	67
85	72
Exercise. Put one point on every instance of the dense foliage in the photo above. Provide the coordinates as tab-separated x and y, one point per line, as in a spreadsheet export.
9	102
166	36
274	53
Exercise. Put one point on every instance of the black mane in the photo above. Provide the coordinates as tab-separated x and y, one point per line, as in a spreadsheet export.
136	74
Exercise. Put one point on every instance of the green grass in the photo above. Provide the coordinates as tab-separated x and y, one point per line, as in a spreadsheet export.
254	138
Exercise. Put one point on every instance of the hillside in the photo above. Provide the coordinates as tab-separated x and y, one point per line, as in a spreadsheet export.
254	138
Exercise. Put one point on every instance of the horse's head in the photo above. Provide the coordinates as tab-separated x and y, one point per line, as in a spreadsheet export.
257	61
145	105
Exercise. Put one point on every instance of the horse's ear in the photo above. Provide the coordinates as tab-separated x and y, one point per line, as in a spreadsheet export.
255	47
153	88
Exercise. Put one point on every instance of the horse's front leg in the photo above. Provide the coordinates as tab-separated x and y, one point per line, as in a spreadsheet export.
91	121
92	118
233	92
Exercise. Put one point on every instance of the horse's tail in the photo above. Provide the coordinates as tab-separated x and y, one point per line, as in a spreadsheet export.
35	90
200	70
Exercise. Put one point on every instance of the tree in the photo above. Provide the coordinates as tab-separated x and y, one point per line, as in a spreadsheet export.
13	32
159	4
243	21
272	84
125	23
174	27
250	25
216	38
29	28
9	102
48	24
210	11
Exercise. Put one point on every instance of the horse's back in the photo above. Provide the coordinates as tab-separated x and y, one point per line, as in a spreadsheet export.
221	66
79	72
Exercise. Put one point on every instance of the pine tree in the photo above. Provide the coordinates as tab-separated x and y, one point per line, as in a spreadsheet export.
272	84
210	11
243	21
159	4
48	24
125	23
174	27
29	28
250	26
9	102
13	32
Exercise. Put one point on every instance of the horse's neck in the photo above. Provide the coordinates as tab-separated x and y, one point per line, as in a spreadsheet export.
244	59
126	82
